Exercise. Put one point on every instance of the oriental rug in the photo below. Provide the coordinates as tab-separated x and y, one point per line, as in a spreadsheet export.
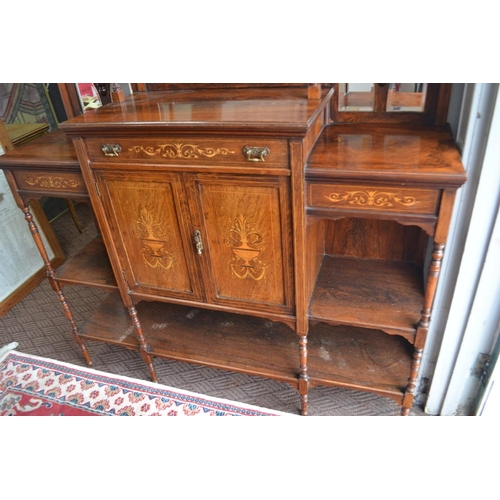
36	386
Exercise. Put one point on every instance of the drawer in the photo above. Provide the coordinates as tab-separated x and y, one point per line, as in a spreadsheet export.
373	198
190	150
56	182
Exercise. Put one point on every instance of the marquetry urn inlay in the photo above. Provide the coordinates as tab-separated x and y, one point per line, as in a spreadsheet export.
245	241
180	150
153	239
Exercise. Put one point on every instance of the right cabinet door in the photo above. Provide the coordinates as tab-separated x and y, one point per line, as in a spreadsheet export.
245	224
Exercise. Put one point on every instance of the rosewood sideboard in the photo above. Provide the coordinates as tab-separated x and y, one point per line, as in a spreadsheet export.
242	229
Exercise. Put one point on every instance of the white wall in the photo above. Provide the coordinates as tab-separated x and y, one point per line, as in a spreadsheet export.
466	313
19	256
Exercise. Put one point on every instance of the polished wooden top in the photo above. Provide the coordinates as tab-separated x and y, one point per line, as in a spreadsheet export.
270	111
394	153
52	150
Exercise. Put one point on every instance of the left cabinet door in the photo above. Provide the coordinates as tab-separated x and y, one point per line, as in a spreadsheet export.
149	221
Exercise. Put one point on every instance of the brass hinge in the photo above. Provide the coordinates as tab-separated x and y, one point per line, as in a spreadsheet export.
97	189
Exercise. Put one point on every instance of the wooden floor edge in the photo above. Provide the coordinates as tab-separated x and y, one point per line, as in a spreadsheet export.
17	295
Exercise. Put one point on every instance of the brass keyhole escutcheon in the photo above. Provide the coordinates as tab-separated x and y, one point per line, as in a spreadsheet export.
198	242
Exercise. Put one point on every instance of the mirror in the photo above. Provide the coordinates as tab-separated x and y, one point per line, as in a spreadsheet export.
400	97
356	97
405	103
406	97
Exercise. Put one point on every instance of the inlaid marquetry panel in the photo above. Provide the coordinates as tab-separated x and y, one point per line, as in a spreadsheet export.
245	233
146	221
189	150
374	198
56	182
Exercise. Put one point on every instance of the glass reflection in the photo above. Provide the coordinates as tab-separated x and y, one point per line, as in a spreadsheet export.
354	149
394	144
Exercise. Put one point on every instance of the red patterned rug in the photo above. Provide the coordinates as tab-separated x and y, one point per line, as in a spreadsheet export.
35	386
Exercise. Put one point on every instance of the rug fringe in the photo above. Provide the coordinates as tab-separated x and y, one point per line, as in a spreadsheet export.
6	349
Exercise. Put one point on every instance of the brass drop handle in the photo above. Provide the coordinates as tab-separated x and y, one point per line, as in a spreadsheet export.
256	153
199	243
111	149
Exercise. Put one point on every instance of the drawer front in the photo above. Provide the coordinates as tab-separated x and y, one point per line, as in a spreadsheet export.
374	198
190	150
56	182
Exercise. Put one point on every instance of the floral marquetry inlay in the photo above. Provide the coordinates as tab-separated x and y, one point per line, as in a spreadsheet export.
152	236
246	243
378	199
180	150
49	181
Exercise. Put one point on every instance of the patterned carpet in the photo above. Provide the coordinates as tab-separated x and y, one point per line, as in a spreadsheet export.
38	324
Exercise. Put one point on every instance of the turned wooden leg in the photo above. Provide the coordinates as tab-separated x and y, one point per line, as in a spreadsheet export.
303	377
423	326
142	342
412	383
54	284
432	279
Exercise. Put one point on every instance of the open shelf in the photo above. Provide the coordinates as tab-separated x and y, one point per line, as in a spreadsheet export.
378	294
90	267
343	356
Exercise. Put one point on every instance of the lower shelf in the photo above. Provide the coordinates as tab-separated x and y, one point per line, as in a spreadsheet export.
343	356
359	358
111	323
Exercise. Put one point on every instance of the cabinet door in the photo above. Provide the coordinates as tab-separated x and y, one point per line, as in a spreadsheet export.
245	226
149	221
